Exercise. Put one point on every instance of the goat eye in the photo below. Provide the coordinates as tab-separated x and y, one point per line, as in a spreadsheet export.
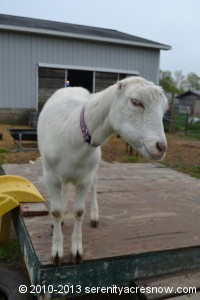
137	103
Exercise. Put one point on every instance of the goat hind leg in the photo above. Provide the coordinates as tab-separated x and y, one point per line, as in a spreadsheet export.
79	209
57	211
94	205
64	196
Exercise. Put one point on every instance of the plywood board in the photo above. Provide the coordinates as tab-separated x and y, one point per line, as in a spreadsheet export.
143	208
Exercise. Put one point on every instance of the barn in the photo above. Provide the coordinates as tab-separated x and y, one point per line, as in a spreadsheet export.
189	102
39	56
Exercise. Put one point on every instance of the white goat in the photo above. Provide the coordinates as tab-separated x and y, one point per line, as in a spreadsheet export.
73	124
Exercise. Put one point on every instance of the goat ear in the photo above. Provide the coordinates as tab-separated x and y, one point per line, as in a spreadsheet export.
121	85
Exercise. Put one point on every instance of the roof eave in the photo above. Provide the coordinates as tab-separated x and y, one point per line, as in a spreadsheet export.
82	36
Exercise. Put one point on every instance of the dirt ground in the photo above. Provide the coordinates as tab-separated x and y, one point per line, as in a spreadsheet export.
183	153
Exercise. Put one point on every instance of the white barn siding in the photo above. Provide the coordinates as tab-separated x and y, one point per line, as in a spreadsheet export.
21	53
17	76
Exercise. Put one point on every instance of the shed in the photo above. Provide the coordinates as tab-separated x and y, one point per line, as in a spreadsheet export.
189	102
39	56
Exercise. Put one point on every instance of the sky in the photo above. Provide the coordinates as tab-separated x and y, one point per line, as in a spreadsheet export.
171	22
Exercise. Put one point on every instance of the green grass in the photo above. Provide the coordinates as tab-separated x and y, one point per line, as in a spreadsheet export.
194	130
181	124
131	159
193	171
10	251
10	257
3	152
2	297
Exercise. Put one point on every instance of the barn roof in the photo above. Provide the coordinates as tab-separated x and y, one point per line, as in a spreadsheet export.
38	26
189	92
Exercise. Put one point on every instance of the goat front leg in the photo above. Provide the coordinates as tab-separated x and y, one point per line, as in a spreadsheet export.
57	242
79	210
94	205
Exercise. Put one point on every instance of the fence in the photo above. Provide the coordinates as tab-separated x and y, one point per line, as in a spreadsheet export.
185	123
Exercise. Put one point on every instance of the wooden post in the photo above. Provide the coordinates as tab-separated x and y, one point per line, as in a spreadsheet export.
5	223
171	125
186	122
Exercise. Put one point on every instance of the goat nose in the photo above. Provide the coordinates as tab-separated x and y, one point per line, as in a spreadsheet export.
162	147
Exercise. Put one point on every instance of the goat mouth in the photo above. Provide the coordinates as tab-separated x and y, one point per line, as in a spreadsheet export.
155	157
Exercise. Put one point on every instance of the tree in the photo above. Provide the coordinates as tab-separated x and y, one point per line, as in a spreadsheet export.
172	83
167	82
193	81
177	83
180	81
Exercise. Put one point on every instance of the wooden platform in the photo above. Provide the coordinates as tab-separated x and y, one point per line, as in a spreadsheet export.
149	225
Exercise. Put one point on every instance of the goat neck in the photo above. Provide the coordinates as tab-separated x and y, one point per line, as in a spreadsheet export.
97	116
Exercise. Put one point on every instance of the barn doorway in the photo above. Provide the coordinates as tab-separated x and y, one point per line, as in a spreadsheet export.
80	78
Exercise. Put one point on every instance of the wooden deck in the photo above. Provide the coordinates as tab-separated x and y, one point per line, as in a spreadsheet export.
149	225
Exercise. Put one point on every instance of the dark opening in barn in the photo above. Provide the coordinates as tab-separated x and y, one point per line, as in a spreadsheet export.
81	78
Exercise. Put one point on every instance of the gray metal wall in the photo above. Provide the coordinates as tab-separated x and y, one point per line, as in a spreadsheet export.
21	53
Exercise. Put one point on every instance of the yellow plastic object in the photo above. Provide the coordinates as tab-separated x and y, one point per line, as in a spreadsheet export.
7	203
20	189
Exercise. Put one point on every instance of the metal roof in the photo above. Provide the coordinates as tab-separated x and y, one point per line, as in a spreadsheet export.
8	22
189	92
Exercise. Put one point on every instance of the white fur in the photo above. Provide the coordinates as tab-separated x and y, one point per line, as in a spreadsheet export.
66	157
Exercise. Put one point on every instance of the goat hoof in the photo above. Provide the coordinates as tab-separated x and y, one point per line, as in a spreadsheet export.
94	223
56	260
77	258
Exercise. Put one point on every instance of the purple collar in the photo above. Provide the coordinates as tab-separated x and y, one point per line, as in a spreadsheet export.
84	131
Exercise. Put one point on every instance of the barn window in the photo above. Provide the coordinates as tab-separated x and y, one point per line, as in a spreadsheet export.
104	80
50	80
